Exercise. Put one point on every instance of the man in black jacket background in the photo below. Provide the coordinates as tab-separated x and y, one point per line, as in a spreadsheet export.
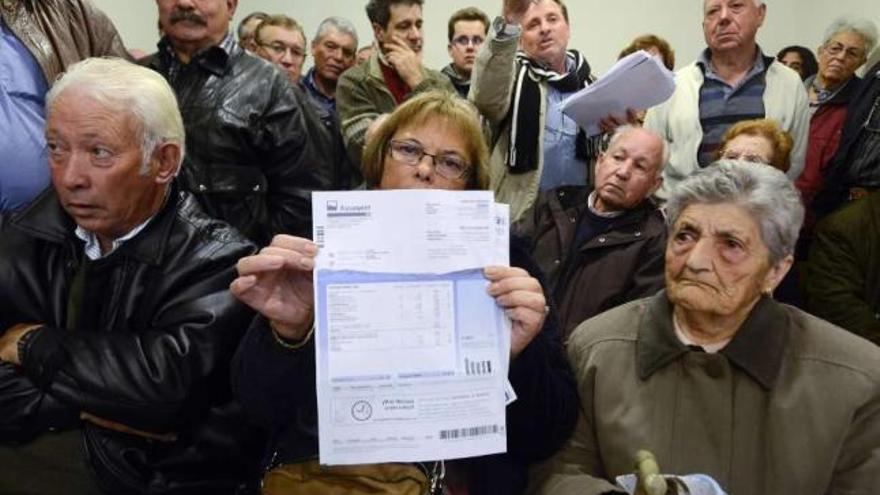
256	150
116	326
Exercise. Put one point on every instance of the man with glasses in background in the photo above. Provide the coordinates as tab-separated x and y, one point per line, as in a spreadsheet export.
468	28
280	40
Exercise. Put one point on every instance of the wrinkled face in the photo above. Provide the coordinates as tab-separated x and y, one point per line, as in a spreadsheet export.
794	61
95	162
755	149
334	54
731	24
283	47
716	260
545	33
629	171
840	57
466	41
437	137
405	23
199	22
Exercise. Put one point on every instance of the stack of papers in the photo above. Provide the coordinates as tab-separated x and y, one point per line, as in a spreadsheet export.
637	81
411	352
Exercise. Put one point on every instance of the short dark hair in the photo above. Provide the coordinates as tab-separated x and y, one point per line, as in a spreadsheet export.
809	65
647	41
468	14
253	15
379	11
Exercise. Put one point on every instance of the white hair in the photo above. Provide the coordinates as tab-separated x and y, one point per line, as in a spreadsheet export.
122	85
341	24
864	28
763	191
664	146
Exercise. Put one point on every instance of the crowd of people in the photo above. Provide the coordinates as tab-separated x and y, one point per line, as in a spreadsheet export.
701	279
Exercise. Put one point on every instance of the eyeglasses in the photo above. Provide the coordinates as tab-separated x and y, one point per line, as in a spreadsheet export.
463	41
746	157
448	165
278	48
849	52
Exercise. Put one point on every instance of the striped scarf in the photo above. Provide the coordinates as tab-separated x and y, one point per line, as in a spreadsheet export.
525	129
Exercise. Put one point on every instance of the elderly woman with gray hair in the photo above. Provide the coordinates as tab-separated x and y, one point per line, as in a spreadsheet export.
715	377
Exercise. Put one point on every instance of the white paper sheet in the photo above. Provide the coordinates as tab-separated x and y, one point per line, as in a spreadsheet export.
638	81
411	352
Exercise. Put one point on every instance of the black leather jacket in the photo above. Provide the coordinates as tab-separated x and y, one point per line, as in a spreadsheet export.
150	347
254	148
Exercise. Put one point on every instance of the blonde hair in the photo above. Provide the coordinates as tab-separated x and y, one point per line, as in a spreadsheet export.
780	141
439	105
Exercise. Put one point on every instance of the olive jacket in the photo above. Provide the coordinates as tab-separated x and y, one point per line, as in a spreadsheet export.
790	405
842	274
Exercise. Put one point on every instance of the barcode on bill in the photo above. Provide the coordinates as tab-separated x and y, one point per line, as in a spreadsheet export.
319	235
477	367
473	431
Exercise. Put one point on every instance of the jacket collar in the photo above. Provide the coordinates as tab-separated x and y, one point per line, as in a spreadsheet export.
46	219
757	348
214	59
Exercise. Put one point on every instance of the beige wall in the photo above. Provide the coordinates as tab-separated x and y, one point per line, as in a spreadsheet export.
599	28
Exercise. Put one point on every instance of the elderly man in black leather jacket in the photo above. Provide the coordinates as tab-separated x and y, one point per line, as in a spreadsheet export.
116	326
256	149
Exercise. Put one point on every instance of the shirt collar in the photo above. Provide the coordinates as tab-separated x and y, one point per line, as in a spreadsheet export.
309	82
704	62
757	348
93	247
591	204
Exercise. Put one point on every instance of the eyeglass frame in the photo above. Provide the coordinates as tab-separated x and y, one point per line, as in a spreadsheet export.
463	41
834	48
280	48
393	151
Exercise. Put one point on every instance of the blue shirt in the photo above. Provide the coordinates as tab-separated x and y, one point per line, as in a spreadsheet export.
561	165
24	171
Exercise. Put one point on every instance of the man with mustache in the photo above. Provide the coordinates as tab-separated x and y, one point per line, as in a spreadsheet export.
732	80
518	93
604	246
392	74
39	39
254	144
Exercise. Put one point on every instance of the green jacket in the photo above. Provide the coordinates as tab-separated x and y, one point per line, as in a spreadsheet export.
842	275
362	96
790	405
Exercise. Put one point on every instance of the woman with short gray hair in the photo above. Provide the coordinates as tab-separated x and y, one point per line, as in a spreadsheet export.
715	377
845	47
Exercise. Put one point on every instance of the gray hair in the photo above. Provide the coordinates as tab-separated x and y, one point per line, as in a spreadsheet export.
765	192
860	26
341	24
624	129
127	87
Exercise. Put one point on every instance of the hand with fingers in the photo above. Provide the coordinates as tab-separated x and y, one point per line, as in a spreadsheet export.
609	123
523	301
277	282
514	10
406	61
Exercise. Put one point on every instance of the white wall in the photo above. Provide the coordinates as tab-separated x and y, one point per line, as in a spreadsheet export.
600	28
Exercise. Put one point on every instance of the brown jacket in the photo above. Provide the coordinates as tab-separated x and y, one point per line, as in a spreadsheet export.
59	33
790	405
624	264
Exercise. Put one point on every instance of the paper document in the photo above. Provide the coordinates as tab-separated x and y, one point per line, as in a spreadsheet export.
411	352
638	81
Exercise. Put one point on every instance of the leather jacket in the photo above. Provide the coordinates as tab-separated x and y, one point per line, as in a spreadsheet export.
59	33
149	347
254	148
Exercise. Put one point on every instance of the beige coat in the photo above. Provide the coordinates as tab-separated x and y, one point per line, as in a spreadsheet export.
791	405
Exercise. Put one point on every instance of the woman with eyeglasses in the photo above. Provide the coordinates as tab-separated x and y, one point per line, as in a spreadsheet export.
846	47
757	141
433	141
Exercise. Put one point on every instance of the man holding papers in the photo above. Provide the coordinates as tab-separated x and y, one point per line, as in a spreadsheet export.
431	142
519	92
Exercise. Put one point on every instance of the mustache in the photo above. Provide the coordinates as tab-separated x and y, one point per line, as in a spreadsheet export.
179	15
